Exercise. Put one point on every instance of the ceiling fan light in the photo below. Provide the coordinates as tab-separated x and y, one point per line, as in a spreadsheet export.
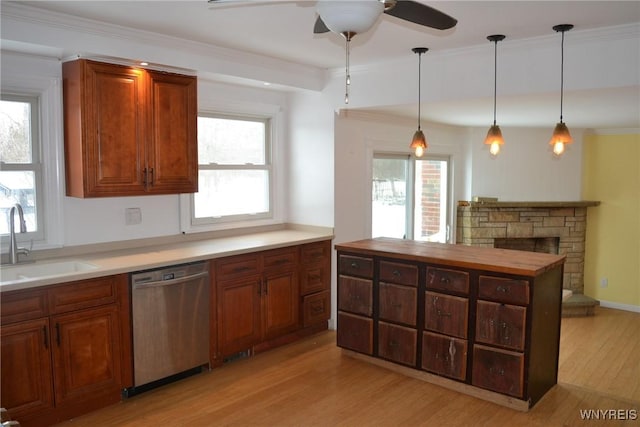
350	16
419	143
494	139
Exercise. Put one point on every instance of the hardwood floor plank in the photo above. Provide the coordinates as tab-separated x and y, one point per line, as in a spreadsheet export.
311	383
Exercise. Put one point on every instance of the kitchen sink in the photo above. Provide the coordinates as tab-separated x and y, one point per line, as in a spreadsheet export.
38	270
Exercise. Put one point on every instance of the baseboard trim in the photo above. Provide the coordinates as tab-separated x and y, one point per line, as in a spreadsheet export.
619	306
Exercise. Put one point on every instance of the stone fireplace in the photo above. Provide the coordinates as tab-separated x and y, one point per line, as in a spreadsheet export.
553	227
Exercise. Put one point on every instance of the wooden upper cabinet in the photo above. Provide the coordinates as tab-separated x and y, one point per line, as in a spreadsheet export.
128	131
173	155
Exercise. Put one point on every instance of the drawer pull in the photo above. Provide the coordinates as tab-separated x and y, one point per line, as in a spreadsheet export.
396	305
355	297
443	313
241	269
396	273
354	265
314	277
317	309
445	280
502	289
496	371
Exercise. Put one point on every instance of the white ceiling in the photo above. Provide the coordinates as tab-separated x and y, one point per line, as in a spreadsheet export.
284	30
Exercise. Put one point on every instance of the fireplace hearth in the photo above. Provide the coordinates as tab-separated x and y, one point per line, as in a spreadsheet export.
553	227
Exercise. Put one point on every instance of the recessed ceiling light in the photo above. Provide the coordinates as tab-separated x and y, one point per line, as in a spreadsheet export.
144	64
266	83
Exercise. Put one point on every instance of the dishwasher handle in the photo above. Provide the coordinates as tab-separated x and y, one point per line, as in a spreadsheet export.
159	283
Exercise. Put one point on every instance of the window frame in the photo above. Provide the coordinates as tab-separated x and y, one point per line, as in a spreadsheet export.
48	92
410	189
272	119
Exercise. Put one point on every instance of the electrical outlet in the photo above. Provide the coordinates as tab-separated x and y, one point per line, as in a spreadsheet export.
132	216
604	282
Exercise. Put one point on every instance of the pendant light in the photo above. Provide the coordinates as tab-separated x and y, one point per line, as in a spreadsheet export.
494	136
419	142
561	136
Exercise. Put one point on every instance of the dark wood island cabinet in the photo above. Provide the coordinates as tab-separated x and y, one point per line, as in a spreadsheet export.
482	321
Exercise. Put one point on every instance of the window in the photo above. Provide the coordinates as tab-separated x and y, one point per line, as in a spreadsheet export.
410	197
235	170
20	158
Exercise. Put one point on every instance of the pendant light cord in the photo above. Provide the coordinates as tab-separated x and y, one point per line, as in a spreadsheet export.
495	78
561	75
419	84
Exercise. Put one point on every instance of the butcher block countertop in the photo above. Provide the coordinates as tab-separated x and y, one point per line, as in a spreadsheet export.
480	258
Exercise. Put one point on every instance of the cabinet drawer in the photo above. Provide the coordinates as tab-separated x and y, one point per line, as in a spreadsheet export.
316	308
398	303
316	252
510	291
355	333
397	343
498	370
83	294
314	279
446	314
23	305
401	274
355	295
443	279
444	355
501	324
355	266
237	266
280	258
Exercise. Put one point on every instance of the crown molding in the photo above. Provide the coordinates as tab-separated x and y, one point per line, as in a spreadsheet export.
302	76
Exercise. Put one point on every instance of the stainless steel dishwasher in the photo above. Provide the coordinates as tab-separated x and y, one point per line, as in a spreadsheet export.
170	316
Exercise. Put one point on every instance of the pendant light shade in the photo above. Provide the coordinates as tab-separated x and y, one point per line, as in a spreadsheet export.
350	16
561	136
419	142
494	136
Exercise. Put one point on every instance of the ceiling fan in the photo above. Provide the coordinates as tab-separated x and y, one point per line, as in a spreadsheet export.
358	16
351	17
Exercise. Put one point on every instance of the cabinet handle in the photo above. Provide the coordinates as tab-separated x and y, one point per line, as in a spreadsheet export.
260	287
354	265
58	334
144	177
151	180
396	305
396	273
496	371
502	289
443	313
317	309
445	280
46	337
241	269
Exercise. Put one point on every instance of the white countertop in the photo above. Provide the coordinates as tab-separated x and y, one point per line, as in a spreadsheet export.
136	259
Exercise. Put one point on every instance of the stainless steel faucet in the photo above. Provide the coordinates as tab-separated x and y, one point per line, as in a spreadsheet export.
14	250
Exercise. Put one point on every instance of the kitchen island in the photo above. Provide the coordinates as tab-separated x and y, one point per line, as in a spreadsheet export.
482	321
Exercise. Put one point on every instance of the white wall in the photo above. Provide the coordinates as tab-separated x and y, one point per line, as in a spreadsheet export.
310	157
526	169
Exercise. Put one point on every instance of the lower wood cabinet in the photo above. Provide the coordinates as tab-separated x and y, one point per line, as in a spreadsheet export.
267	298
70	359
453	316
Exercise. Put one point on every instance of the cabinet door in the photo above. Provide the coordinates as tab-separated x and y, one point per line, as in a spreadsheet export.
105	129
86	353
355	333
280	303
27	383
238	315
173	156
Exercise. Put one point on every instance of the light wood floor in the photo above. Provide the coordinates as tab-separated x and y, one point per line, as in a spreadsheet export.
311	383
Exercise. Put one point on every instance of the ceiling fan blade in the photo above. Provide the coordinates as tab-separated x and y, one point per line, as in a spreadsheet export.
419	13
320	27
